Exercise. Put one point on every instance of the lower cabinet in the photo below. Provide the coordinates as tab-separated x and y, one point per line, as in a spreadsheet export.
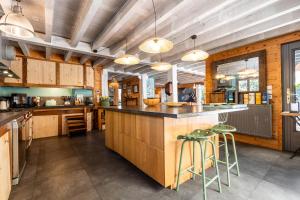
5	170
45	126
89	121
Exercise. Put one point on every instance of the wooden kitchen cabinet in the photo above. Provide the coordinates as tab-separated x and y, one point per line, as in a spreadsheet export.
5	169
17	68
45	126
89	77
41	72
71	75
89	121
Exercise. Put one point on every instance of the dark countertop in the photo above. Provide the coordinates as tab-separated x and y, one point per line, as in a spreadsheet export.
175	112
6	117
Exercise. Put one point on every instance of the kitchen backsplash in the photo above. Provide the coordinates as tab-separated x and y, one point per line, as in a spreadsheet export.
44	92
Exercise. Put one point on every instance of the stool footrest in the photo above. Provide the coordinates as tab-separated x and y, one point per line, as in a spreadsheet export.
231	165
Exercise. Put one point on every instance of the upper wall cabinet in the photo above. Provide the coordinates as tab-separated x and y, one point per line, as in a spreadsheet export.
41	72
17	68
71	75
89	77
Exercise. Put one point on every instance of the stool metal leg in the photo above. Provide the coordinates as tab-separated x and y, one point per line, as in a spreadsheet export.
235	154
179	167
216	165
227	159
194	164
203	170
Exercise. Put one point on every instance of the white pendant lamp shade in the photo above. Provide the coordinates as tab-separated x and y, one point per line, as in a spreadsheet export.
161	66
127	59
195	55
156	45
15	23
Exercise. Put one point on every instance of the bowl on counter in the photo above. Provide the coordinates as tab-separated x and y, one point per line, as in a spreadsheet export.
151	101
175	104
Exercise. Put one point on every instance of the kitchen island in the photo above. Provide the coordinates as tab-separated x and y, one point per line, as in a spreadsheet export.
147	136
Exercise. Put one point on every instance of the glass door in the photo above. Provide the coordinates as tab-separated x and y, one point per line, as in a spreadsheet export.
291	93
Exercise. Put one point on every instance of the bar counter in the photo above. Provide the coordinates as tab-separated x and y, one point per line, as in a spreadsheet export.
147	136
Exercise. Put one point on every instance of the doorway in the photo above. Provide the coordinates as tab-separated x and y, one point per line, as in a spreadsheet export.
290	90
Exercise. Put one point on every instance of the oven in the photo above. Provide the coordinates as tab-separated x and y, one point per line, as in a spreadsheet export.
20	145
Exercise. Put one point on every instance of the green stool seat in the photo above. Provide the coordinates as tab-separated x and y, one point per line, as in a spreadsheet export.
197	135
203	137
227	130
223	128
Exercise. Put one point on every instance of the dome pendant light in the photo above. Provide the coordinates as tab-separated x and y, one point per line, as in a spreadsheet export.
195	54
161	66
156	44
127	59
16	24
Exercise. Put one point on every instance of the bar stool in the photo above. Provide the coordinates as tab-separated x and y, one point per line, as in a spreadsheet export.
203	137
224	130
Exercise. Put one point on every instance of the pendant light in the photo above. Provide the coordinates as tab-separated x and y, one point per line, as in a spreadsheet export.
15	23
161	66
127	59
156	44
195	54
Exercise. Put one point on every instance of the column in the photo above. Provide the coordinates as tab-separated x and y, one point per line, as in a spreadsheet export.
104	82
143	88
172	77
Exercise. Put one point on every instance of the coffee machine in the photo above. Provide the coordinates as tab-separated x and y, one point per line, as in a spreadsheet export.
18	100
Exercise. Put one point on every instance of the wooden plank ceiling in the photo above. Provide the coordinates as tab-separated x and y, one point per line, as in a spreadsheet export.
96	30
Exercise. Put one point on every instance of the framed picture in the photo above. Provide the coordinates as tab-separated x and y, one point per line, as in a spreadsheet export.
124	86
135	89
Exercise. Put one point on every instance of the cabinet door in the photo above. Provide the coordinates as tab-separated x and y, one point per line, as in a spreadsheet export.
45	126
49	73
71	75
5	172
17	68
41	72
89	77
34	72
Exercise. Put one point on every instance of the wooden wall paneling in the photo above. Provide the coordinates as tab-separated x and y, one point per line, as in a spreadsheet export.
97	84
57	74
273	73
84	76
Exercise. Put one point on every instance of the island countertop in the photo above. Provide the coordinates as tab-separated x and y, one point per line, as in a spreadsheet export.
177	112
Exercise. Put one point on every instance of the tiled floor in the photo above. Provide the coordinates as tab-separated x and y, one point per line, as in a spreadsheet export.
82	168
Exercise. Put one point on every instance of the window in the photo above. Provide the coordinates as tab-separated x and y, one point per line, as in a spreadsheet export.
253	85
243	85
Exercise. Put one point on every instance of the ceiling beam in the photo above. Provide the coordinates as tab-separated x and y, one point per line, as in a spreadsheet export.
48	53
195	12
101	61
24	48
226	38
68	55
49	13
253	17
127	11
84	58
86	14
60	43
147	26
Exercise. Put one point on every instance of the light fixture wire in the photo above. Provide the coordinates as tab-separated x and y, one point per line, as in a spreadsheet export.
154	18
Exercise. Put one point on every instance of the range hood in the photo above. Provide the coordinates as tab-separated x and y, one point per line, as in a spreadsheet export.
7	53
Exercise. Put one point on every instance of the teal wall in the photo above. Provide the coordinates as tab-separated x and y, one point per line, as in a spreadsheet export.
44	92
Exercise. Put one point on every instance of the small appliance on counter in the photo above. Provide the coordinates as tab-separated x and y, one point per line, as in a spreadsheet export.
79	100
4	103
88	101
51	102
18	100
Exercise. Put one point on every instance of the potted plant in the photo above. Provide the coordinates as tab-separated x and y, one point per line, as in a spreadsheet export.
104	101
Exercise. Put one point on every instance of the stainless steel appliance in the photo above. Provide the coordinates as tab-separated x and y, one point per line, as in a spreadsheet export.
4	104
19	100
20	144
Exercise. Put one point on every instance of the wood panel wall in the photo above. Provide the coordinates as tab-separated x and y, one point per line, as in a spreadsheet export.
273	53
130	82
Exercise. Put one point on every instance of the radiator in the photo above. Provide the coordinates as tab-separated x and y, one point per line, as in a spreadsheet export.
256	121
